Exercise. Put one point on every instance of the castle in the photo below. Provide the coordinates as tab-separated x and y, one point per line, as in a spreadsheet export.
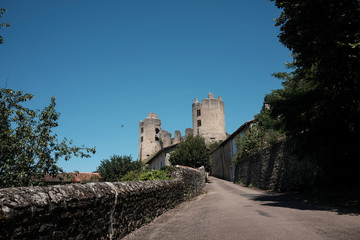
208	121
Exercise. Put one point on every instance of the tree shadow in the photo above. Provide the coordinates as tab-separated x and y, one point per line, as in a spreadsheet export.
300	202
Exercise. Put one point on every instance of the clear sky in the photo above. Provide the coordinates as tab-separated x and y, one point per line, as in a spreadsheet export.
109	63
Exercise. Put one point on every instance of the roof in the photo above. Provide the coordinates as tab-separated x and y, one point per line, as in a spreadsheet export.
73	177
234	134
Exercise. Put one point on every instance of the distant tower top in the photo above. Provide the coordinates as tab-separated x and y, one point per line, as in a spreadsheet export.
153	115
209	118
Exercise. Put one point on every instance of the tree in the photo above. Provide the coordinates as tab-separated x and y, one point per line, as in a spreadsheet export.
212	146
2	11
117	167
250	143
320	101
28	148
192	152
324	37
261	134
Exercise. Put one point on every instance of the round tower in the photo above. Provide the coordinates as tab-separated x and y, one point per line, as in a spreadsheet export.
149	140
209	119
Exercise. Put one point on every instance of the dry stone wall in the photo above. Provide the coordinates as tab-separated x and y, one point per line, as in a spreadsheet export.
100	210
278	168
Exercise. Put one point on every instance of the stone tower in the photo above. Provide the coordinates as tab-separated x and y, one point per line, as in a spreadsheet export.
209	119
149	141
152	138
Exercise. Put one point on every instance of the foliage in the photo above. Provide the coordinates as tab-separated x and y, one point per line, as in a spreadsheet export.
144	175
268	122
192	152
251	142
214	145
28	148
320	101
2	11
117	167
264	132
154	175
133	175
323	91
168	169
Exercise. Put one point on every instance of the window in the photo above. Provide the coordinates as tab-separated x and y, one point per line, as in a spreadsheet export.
157	138
198	112
157	130
142	130
198	131
199	123
142	138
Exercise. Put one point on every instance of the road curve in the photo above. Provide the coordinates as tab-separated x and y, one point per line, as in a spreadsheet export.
229	211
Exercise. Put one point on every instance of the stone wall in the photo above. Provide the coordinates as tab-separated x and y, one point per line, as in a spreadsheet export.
94	210
278	168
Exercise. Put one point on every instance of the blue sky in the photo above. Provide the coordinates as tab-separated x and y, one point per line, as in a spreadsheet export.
109	63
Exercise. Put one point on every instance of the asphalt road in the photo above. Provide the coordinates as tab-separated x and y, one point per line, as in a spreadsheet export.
229	211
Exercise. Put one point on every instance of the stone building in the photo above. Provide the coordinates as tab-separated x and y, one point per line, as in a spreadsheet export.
161	158
209	119
152	138
222	157
155	143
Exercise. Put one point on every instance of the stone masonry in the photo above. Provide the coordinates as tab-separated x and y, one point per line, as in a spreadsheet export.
208	119
101	210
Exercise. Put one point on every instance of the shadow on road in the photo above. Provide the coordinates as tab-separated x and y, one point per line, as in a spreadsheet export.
287	200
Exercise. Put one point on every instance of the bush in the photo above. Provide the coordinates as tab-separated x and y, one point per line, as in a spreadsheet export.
162	174
254	140
117	167
192	152
132	176
154	175
168	169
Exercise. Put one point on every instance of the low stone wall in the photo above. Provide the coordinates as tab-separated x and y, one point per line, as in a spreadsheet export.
100	210
277	168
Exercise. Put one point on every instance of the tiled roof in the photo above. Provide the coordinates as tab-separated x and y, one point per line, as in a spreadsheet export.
73	177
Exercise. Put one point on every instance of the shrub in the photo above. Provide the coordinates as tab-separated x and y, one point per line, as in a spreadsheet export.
192	152
162	174
154	175
117	167
132	176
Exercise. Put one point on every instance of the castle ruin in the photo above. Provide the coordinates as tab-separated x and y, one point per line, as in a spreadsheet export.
209	119
208	122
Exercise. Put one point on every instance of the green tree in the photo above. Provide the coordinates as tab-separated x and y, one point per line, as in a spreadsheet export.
192	152
320	100
251	142
28	147
323	91
2	11
115	168
214	145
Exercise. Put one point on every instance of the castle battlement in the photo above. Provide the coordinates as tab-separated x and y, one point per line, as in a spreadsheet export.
152	138
208	121
209	118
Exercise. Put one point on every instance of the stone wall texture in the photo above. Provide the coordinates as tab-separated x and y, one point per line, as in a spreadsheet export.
277	168
99	210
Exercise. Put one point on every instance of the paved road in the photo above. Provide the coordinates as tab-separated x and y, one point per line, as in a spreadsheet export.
229	211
